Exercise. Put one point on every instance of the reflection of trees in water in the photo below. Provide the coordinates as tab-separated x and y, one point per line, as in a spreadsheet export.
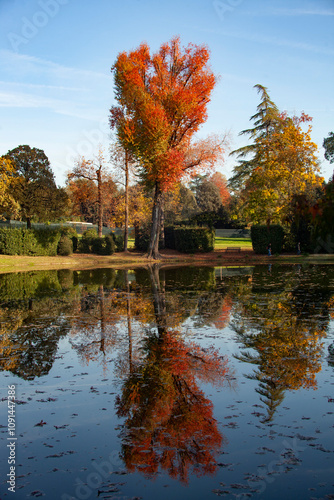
282	325
29	338
93	304
93	331
169	421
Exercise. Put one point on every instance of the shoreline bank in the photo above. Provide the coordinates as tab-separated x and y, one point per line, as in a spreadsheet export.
22	263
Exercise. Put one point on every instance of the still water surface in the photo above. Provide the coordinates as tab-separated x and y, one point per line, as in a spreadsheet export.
188	382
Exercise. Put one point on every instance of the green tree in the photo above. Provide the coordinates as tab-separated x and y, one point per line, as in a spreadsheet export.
34	187
283	165
328	144
207	196
265	121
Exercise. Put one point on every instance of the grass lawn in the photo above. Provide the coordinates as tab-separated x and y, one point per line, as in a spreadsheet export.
243	243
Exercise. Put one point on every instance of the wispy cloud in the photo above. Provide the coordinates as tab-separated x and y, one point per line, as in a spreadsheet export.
288	12
63	107
270	40
303	12
39	86
30	64
31	82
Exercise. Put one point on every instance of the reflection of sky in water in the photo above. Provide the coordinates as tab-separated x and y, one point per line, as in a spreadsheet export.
75	454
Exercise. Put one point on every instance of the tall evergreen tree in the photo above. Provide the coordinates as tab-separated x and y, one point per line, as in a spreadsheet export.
265	120
328	144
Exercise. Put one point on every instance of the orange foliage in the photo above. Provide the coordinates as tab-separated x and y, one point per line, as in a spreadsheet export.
163	101
170	422
224	317
219	180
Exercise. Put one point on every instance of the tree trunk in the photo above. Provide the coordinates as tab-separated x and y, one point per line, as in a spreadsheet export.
28	223
162	223
153	249
128	310
100	203
159	299
126	228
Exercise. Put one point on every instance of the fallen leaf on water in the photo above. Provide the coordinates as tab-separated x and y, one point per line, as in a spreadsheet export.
40	424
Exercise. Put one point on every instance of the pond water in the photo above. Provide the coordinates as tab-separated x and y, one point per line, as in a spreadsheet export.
187	382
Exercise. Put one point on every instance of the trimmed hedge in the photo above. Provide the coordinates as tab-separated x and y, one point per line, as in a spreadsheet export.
21	241
65	246
104	245
91	243
142	238
261	236
86	242
182	239
119	242
194	239
170	237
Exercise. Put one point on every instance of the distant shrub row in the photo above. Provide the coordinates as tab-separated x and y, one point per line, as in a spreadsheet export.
29	241
284	239
262	235
182	239
49	242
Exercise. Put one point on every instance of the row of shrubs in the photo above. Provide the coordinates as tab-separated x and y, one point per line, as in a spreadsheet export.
182	239
282	239
49	242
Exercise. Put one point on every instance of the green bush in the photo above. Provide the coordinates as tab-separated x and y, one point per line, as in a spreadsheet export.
261	236
72	234
65	246
98	245
21	241
119	242
86	242
169	237
194	239
142	238
110	244
103	246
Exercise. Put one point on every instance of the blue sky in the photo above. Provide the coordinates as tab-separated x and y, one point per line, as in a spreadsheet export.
56	87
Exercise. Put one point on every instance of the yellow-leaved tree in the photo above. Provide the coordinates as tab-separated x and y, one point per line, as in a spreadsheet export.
283	165
8	206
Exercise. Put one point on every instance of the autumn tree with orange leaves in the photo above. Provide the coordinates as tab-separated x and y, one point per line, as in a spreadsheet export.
162	101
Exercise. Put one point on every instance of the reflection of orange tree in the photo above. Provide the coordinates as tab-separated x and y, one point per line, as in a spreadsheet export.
224	317
169	421
286	340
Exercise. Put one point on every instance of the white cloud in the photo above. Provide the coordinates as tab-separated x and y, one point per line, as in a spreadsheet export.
28	64
63	107
302	12
39	86
289	12
280	42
